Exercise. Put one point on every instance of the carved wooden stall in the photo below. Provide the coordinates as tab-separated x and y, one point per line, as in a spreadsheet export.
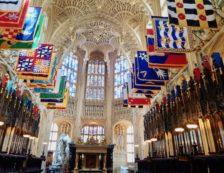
19	128
20	163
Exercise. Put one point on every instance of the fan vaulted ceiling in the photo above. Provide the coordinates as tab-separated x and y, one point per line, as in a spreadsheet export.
97	25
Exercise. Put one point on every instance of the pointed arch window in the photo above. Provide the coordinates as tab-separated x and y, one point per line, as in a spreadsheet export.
121	71
95	80
92	131
130	144
53	137
70	69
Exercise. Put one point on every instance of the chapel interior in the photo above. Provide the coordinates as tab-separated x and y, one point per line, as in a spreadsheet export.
111	86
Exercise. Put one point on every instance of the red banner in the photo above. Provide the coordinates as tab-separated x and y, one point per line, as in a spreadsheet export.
14	19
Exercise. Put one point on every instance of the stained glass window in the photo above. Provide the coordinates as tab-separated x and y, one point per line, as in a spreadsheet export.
69	69
92	131
121	71
130	144
95	80
53	137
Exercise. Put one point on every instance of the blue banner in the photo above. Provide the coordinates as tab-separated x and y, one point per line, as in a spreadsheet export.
170	37
30	25
151	89
146	74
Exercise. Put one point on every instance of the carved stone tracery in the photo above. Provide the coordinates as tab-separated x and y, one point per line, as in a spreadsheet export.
95	23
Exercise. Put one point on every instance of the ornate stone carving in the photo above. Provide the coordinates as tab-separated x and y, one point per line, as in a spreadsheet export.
70	110
94	109
9	56
95	22
100	122
120	113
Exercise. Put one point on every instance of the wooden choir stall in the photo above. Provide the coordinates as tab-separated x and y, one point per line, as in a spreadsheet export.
185	132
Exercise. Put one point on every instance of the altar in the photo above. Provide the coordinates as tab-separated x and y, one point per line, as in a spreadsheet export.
93	158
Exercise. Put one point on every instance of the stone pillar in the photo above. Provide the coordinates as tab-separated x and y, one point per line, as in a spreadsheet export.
192	60
46	121
156	7
140	136
80	94
142	34
109	97
44	132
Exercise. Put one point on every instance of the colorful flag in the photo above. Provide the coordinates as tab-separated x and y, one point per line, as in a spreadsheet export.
36	61
59	106
11	5
46	89
163	60
150	90
52	100
170	38
37	76
13	19
150	41
29	28
134	99
217	60
42	90
146	74
146	86
56	86
140	83
30	25
58	83
54	96
192	13
18	44
46	83
9	33
168	60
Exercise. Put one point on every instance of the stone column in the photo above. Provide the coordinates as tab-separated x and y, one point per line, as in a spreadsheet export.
192	60
44	132
140	136
156	7
80	94
109	97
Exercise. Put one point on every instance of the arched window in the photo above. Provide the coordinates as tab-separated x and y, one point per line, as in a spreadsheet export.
130	145
53	137
119	132
92	131
95	80
69	69
121	71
